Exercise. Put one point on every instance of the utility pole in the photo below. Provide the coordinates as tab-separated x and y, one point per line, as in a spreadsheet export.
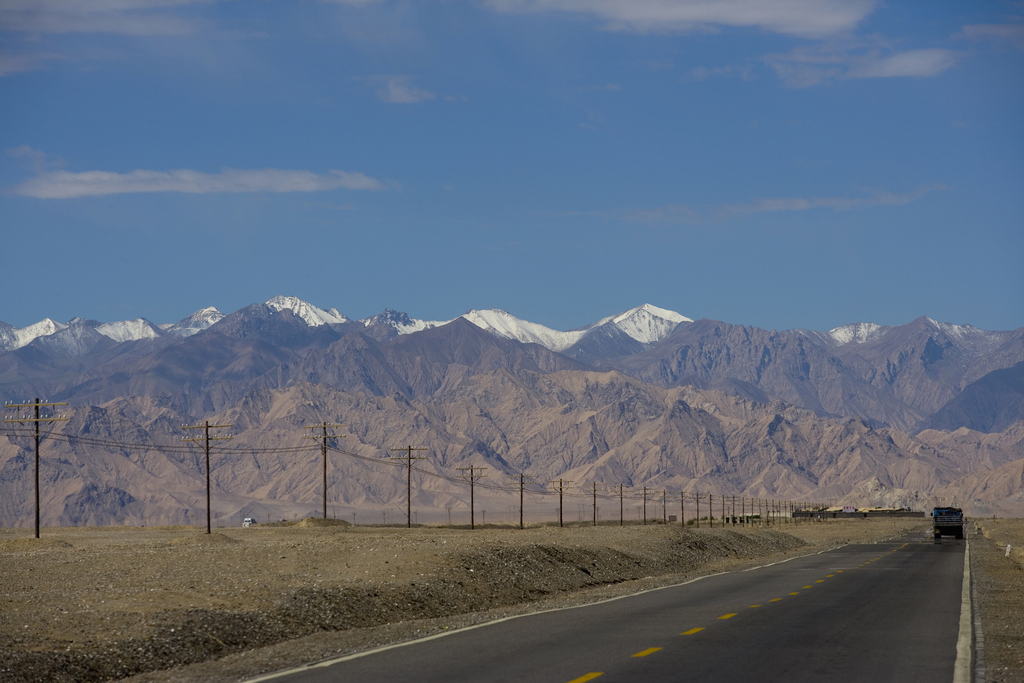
561	489
408	457
645	505
472	476
622	490
36	419
521	479
594	492
711	513
682	508
323	447
696	504
206	427
664	509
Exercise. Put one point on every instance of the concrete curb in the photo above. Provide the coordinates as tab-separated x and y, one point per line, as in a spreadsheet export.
962	670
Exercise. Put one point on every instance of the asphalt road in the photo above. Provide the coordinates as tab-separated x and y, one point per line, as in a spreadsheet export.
880	612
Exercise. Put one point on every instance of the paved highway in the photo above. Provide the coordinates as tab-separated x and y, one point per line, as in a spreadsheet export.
880	612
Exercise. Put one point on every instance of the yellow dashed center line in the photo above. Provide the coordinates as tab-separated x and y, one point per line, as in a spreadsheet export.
587	677
692	631
829	576
797	593
648	651
774	599
728	616
753	606
820	581
806	586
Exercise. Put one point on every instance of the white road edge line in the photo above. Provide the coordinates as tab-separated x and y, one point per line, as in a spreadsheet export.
962	667
384	648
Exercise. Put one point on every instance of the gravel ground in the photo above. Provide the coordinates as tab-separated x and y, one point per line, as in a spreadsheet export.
173	604
1000	588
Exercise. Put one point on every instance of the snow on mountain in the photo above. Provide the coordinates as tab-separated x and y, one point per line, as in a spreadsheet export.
129	330
970	337
195	323
857	333
15	337
313	316
647	324
966	337
401	322
504	324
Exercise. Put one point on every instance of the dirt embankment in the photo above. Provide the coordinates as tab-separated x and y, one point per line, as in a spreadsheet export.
999	583
100	604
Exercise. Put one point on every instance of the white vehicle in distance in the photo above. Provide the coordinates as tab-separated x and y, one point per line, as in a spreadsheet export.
248	522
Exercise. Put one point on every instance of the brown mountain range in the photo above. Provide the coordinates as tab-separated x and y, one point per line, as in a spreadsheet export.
583	426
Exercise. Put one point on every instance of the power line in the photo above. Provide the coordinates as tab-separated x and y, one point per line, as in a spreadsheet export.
561	488
409	457
36	405
323	447
521	480
472	476
206	427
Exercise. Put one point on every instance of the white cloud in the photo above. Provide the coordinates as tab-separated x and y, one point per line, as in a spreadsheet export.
686	214
66	185
700	73
810	65
16	64
126	17
917	63
812	18
38	160
1010	33
398	91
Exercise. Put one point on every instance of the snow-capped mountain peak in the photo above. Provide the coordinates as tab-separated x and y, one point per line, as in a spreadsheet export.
195	323
129	330
856	333
648	324
313	316
504	324
401	322
15	337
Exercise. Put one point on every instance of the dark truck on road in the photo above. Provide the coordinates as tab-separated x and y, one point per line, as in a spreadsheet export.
948	522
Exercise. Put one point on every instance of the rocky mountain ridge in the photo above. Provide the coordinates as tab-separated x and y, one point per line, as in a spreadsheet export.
896	375
582	426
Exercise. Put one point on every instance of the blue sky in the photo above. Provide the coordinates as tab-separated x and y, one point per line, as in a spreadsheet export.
779	163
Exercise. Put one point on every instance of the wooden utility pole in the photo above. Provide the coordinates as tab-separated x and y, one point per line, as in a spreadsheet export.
622	491
561	489
682	508
664	508
36	419
323	447
711	513
594	492
472	476
696	504
521	480
206	427
645	505
408	458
